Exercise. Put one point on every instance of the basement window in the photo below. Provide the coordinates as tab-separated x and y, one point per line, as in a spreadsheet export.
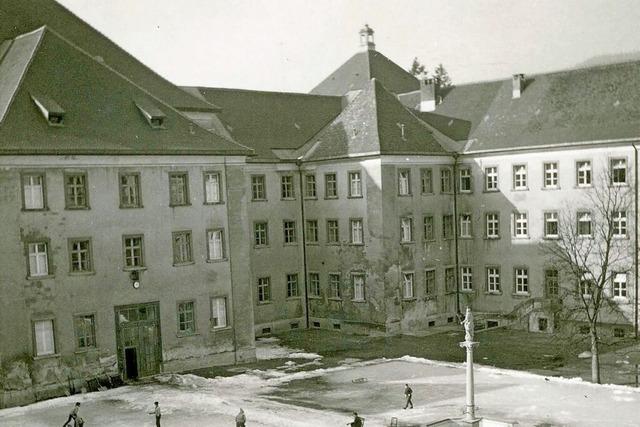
266	330
337	326
154	116
316	324
618	332
50	109
295	325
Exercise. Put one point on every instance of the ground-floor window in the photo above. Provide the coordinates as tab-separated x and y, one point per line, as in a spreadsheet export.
358	287
186	318
44	337
85	329
407	279
218	312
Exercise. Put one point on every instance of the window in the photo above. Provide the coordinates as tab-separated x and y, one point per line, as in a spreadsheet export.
358	287
465	225
406	230
130	190
404	182
430	282
407	288
75	191
310	186
186	318
493	226
44	337
587	284
292	286
445	180
356	232
466	278
286	187
33	191
551	225
583	173
182	252
218	312
493	279
258	187
85	330
551	282
264	289
289	228
80	256
620	224
428	225
618	171
38	259
312	231
521	224
620	285
450	279
334	286
355	184
314	284
330	186
212	187
521	280
447	226
426	179
261	234
178	189
133	256
465	180
491	178
520	177
215	245
551	175
584	224
333	232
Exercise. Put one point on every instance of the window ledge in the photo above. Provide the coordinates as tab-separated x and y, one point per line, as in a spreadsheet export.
429	240
82	273
259	200
287	199
217	260
466	291
290	244
465	237
180	205
315	297
462	192
46	356
331	197
310	198
582	187
412	299
550	188
494	293
264	302
356	244
491	190
492	238
520	189
521	295
35	210
314	243
187	334
427	194
621	237
521	237
359	300
408	242
220	328
130	207
430	297
140	268
182	264
260	246
405	195
355	197
221	202
293	298
336	299
77	208
621	300
551	238
45	277
85	350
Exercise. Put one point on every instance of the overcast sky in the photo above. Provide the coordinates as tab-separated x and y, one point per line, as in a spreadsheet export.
291	45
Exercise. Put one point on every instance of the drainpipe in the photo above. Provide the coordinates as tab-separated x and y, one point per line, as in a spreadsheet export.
455	230
304	247
635	259
230	258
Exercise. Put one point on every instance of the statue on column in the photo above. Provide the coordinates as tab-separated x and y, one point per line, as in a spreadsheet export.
468	326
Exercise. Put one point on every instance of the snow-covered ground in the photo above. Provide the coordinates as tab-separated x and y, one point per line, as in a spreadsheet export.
319	396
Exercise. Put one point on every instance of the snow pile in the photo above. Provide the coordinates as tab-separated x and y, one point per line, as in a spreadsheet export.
269	348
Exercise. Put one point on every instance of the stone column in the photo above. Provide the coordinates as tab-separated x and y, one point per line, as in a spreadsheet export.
470	407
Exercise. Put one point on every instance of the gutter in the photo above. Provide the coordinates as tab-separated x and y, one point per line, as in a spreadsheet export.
304	246
455	230
635	259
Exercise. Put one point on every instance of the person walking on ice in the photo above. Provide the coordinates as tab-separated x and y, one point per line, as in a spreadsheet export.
407	394
73	415
157	413
357	421
241	419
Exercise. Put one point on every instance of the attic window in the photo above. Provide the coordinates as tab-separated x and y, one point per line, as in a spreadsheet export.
52	112
154	116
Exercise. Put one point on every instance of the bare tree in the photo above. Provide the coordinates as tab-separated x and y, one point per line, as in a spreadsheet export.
590	249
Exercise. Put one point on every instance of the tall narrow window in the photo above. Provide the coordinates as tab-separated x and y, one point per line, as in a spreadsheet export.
264	289
85	331
133	256
447	226
258	187
289	228
33	191
465	225
466	278
618	171
493	279
218	312
44	337
587	285
406	230
450	279
493	225
620	224
522	280
130	190
430	282
182	252
330	186
356	232
520	177
212	187
292	286
583	173
404	182
407	285
334	286
80	256
38	259
584	224
358	287
521	224
464	175
620	285
310	186
75	185
312	231
314	284
260	234
551	175
445	180
178	189
355	184
215	245
186	318
426	179
491	178
286	187
551	228
551	282
333	231
428	226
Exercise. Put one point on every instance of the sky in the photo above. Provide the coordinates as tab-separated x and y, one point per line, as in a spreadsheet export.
292	45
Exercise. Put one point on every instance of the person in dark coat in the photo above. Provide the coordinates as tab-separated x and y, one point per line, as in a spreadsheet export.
73	415
357	421
407	394
241	419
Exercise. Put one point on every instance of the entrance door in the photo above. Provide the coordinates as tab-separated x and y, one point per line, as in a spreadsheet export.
138	339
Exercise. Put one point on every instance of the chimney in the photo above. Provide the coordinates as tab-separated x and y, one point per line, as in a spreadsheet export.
518	85
366	38
428	93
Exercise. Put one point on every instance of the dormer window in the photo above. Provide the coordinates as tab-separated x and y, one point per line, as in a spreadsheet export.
50	109
154	116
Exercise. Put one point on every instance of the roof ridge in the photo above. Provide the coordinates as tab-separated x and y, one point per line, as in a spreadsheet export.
268	92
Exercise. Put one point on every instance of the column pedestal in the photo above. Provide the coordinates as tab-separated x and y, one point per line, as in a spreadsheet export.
470	407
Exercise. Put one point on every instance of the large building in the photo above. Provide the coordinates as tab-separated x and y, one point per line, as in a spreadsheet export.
153	228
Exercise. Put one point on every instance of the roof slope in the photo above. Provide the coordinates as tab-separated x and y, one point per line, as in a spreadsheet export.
373	123
23	16
101	116
356	72
266	121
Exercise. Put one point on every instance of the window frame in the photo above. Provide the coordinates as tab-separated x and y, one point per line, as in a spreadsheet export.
406	229
54	337
521	281
426	181
263	283
284	193
430	291
579	221
620	222
519	176
431	236
554	175
518	220
448	227
289	232
551	282
226	313
462	188
185	188
612	171
446	172
84	186
547	219
292	279
352	241
312	231
468	224
314	285
330	229
258	182
331	183
223	251
184	333
489	222
43	177
411	282
138	190
488	180
404	182
79	347
494	287
359	184
620	292
49	267
335	285
205	175
189	241
265	232
313	184
124	251
466	278
588	173
70	243
354	276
